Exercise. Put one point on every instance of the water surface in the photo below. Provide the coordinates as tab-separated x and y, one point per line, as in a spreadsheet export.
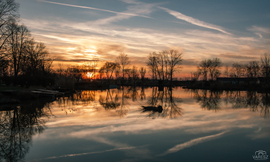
111	125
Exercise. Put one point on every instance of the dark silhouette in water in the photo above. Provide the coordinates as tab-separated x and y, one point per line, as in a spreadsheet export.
163	100
256	102
18	126
209	100
158	109
109	102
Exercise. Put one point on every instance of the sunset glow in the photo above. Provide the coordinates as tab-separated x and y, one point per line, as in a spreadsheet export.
89	75
75	31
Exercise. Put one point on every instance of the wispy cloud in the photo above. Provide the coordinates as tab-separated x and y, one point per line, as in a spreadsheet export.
259	29
92	8
135	7
192	142
194	21
89	153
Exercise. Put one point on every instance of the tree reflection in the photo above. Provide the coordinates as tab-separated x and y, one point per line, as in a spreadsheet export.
209	100
111	101
265	104
83	98
123	110
116	100
166	101
18	126
256	102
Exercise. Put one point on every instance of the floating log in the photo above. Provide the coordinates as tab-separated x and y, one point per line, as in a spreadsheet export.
152	108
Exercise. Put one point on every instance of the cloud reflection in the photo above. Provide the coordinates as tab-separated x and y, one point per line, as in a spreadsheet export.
192	143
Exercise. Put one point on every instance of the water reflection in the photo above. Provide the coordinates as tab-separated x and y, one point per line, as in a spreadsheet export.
165	100
97	122
111	101
17	127
212	100
209	100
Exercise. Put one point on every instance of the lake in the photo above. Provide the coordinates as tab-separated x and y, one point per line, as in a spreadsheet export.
139	124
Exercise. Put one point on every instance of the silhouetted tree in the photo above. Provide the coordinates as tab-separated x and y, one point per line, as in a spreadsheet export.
152	64
203	68
109	68
17	42
252	69
123	61
142	73
8	14
226	71
163	64
36	58
214	68
134	73
174	60
211	67
265	66
237	70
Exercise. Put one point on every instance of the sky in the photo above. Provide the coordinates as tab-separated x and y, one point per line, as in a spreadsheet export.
75	31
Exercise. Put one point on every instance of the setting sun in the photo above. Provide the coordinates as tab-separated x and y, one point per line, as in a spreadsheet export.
89	75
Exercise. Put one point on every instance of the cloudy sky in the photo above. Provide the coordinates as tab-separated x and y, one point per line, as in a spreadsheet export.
78	30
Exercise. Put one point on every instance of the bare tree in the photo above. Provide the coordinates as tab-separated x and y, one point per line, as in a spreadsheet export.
8	13
265	66
237	70
162	63
142	73
195	76
174	60
152	64
252	69
134	73
226	72
123	61
203	68
18	40
214	67
109	68
36	58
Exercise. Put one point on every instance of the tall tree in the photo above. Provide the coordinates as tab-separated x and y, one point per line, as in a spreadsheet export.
18	40
252	69
203	68
123	61
134	73
174	60
109	68
265	66
162	63
214	68
237	70
152	63
8	14
36	57
142	73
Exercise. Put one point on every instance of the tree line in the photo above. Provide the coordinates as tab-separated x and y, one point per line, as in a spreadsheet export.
210	69
162	66
20	54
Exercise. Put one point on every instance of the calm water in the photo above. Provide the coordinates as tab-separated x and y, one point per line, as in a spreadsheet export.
112	125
